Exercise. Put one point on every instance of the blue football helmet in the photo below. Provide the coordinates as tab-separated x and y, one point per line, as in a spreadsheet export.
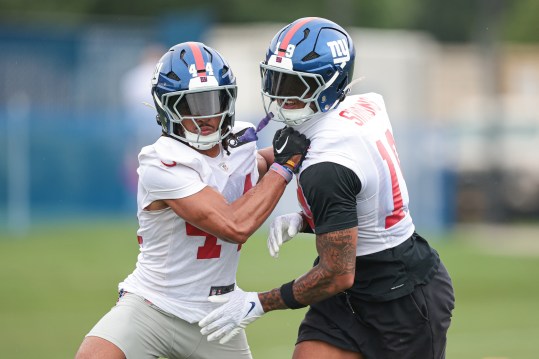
193	82
310	60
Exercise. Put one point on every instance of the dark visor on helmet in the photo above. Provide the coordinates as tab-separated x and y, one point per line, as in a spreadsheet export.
278	83
204	103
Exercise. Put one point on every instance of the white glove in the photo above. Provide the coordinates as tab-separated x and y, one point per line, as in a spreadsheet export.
239	309
282	229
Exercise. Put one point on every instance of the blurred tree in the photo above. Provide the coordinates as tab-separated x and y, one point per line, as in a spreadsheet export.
521	21
388	13
448	21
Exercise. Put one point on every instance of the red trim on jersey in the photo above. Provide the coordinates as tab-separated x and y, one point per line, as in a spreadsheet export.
398	204
307	214
246	186
284	44
248	183
169	164
199	60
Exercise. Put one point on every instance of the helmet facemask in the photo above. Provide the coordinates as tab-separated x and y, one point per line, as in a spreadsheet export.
282	89
194	91
198	106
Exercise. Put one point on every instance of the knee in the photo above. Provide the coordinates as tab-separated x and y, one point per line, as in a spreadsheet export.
96	348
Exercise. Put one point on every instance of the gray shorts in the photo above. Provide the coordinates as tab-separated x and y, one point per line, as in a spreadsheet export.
142	330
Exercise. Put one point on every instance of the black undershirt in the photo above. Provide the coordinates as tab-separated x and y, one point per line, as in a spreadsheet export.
330	190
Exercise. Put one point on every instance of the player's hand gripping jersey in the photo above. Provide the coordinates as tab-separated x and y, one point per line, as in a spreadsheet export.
179	265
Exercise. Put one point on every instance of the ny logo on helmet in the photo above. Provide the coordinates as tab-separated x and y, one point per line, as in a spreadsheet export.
155	77
339	51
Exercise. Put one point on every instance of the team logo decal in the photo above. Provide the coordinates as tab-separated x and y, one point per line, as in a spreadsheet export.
155	77
223	166
339	51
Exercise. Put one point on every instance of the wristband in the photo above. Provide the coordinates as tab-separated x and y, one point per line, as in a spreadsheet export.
284	171
287	294
291	164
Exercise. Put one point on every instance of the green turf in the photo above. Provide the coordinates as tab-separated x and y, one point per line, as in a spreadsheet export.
58	281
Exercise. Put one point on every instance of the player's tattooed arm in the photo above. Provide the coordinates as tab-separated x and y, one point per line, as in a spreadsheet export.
272	300
333	274
335	270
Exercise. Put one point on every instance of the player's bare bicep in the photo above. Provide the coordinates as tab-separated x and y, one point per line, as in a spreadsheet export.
197	208
264	160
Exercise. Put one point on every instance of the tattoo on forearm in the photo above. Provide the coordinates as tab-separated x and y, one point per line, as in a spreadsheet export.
337	253
272	300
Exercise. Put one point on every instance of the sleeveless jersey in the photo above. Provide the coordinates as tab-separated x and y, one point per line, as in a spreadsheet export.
358	135
179	265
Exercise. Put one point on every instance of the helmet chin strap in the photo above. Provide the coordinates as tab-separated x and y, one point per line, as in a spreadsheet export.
296	116
208	141
352	84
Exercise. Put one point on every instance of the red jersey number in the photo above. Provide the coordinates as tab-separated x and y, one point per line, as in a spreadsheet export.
211	249
398	213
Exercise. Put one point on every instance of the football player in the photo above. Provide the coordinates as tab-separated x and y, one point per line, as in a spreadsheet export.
377	289
197	204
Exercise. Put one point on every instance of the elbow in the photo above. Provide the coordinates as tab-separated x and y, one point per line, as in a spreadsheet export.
241	235
236	235
237	230
240	238
235	238
344	282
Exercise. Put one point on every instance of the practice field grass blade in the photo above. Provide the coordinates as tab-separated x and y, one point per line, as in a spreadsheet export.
58	281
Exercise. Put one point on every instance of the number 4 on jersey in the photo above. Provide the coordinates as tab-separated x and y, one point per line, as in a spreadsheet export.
211	249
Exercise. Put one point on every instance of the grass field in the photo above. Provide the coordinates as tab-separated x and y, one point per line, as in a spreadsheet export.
57	282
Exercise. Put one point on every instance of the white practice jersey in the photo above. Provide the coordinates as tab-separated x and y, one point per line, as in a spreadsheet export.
179	265
358	135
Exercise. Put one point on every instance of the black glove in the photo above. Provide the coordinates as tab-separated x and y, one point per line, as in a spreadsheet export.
287	143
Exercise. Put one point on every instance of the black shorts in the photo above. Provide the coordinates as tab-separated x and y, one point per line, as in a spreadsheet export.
411	327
